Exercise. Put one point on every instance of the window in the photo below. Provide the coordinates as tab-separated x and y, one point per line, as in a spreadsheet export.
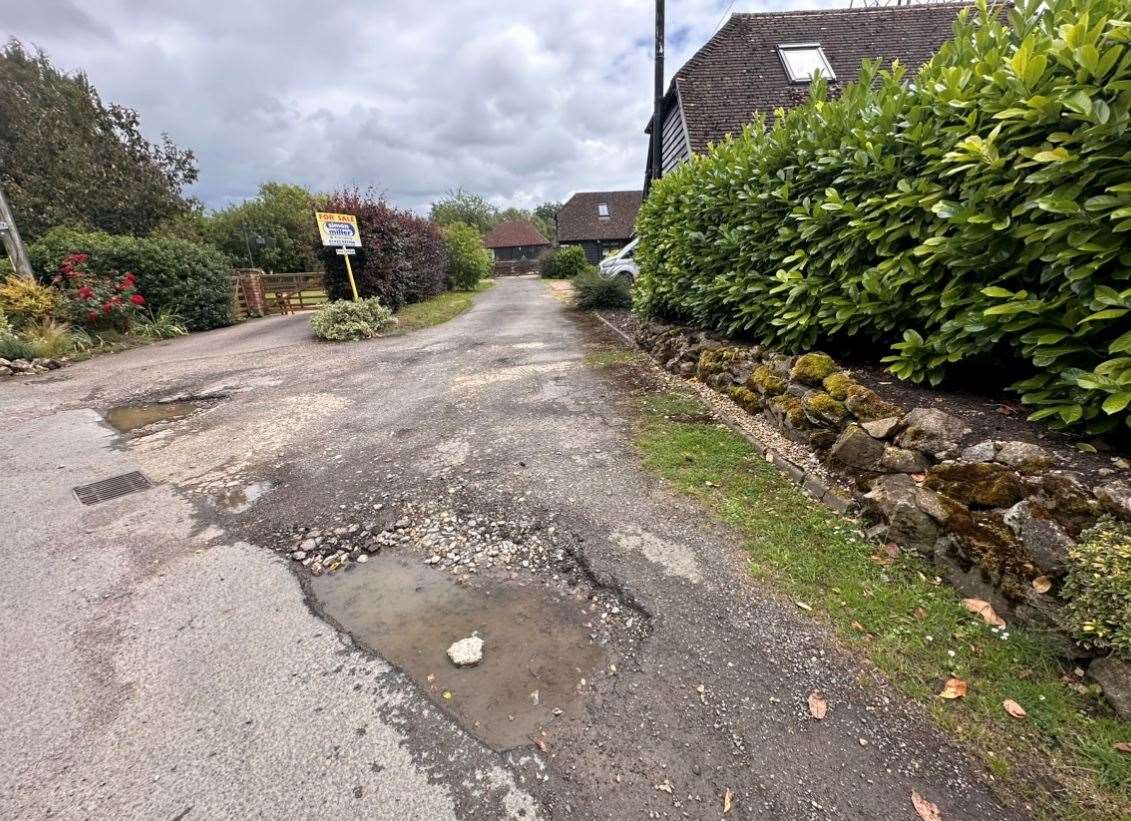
803	60
603	210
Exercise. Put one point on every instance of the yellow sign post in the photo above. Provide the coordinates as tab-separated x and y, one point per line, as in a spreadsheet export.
340	231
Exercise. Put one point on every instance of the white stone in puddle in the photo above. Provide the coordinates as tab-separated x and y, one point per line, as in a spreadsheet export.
466	652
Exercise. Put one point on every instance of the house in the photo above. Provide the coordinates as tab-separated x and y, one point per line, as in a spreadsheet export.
757	63
515	241
598	221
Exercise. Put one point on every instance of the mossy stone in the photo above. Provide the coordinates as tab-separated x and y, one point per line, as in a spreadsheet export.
765	381
747	399
867	407
984	484
838	384
790	410
824	410
812	368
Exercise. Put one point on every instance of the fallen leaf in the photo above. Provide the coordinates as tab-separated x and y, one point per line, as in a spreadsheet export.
954	688
882	559
665	786
447	694
728	801
1014	709
1042	584
817	705
985	610
920	613
1122	747
803	605
892	549
926	810
857	626
540	744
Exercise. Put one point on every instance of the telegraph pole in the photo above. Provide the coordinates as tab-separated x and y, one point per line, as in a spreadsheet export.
658	109
12	242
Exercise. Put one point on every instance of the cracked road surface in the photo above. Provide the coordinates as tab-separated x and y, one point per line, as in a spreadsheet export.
164	657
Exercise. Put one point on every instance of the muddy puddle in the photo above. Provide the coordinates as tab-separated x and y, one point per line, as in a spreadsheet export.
239	498
128	418
536	647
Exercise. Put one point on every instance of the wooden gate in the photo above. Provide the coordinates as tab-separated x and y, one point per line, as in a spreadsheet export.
255	293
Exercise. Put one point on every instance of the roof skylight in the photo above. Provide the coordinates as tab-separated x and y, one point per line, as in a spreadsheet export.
803	60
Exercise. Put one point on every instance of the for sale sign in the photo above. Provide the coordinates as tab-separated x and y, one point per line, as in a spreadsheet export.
338	230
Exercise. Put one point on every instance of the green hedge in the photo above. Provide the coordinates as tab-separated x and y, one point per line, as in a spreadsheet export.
468	259
981	214
174	275
564	262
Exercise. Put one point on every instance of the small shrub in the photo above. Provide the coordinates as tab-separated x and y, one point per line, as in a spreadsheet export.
564	262
107	300
23	300
175	275
52	339
595	292
346	321
1098	589
163	325
468	260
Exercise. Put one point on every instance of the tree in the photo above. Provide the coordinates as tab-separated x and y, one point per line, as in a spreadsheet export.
468	260
546	218
272	231
68	159
470	209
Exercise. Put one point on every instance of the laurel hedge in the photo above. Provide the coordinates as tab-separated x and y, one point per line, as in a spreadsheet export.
979	213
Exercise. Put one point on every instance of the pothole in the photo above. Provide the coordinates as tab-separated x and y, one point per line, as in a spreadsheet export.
145	415
540	655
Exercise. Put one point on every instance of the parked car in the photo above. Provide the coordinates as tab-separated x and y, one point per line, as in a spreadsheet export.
621	265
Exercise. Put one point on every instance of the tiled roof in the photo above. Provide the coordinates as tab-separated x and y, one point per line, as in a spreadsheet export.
514	234
738	73
580	219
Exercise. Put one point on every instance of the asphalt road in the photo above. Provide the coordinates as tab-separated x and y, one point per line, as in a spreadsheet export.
160	659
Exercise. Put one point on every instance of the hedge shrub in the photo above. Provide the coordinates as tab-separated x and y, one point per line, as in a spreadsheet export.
175	276
981	213
348	321
594	292
468	259
402	258
564	262
1098	589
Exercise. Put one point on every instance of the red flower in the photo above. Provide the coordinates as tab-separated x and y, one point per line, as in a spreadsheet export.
92	316
137	299
85	292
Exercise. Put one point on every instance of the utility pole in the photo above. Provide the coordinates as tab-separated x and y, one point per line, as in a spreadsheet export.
658	109
12	242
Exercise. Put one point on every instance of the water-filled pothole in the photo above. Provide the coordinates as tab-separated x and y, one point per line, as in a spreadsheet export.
537	649
130	418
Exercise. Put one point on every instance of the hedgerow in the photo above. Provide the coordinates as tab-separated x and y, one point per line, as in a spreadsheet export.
981	213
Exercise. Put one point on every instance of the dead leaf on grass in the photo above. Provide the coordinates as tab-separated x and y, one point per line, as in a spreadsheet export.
806	607
728	801
920	613
1014	709
926	810
857	626
1042	584
985	610
817	705
954	688
1122	747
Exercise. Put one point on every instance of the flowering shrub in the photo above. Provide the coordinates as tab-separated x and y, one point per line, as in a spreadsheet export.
93	300
346	321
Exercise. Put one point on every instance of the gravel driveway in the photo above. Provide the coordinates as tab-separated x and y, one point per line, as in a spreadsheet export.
263	631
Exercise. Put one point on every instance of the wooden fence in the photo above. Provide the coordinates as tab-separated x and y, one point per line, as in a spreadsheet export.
255	293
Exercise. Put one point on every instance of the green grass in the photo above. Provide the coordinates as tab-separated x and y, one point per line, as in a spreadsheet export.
910	625
437	310
612	356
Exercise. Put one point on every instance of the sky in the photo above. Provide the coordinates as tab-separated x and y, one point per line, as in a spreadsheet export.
522	102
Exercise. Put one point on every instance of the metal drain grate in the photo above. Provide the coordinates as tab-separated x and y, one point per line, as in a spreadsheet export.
112	488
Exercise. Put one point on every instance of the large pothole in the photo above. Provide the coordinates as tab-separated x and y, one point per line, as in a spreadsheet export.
142	417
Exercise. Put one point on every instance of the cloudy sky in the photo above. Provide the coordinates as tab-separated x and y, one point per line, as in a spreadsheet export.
521	101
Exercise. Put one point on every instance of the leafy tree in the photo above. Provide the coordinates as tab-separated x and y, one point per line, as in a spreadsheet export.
546	218
270	231
468	260
68	159
463	206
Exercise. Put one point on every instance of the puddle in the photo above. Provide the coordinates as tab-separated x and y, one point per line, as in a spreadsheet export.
128	418
240	498
534	641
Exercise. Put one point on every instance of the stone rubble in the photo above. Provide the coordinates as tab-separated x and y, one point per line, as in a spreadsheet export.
24	367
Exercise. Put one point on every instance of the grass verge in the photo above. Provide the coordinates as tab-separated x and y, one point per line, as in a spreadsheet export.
911	626
437	310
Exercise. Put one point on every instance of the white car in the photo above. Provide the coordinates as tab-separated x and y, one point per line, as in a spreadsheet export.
621	265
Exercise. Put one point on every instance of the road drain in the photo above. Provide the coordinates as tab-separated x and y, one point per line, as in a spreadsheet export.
111	488
537	648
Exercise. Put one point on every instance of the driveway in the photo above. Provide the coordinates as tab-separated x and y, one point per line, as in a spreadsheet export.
165	656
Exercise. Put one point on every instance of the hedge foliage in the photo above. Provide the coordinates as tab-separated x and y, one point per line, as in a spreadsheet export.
468	259
402	258
981	213
1098	589
176	277
594	292
563	262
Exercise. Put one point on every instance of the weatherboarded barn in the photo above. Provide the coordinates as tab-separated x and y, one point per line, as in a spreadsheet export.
757	63
516	240
598	221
